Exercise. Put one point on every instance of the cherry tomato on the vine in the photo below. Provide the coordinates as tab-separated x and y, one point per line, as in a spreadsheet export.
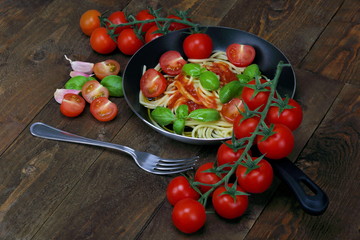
93	89
118	17
188	215
72	105
152	83
171	62
145	15
291	117
226	206
101	41
240	55
278	145
89	21
106	68
257	180
226	154
180	188
175	25
150	35
259	100
103	109
198	46
129	42
245	127
206	177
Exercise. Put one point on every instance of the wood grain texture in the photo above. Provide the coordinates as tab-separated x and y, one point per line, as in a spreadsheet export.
331	152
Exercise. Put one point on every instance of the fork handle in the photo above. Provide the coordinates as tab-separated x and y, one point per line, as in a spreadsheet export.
42	130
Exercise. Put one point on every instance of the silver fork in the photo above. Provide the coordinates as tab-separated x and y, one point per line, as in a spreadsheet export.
149	162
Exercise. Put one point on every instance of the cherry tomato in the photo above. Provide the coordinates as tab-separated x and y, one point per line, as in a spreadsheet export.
152	83
198	46
240	55
244	128
188	215
180	188
103	109
278	145
226	155
145	15
257	180
89	21
72	105
260	99
118	17
231	109
106	68
177	26
226	206
171	62
292	117
128	42
93	89
206	177
101	41
150	35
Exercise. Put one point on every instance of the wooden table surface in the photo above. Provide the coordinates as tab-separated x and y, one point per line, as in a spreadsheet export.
57	190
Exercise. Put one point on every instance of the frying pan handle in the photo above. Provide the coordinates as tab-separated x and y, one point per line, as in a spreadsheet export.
314	204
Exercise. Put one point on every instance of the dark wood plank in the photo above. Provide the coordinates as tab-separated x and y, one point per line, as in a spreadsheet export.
336	52
292	26
331	159
315	94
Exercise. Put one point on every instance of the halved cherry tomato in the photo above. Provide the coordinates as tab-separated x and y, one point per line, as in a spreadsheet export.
145	15
129	42
118	17
171	62
72	105
240	55
177	26
198	46
89	21
152	83
150	35
231	109
93	89
106	68
101	41
103	109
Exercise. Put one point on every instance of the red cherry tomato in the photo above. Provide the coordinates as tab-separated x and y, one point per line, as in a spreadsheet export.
152	83
226	155
180	188
106	68
278	145
145	15
226	206
231	109
198	46
93	89
292	117
257	180
103	109
171	62
118	17
240	55
177	26
188	215
89	21
72	105
206	177
245	127
128	42
260	99
150	35
101	41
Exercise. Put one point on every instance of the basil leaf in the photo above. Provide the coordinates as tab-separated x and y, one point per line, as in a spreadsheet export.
182	111
163	116
229	91
205	115
179	126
